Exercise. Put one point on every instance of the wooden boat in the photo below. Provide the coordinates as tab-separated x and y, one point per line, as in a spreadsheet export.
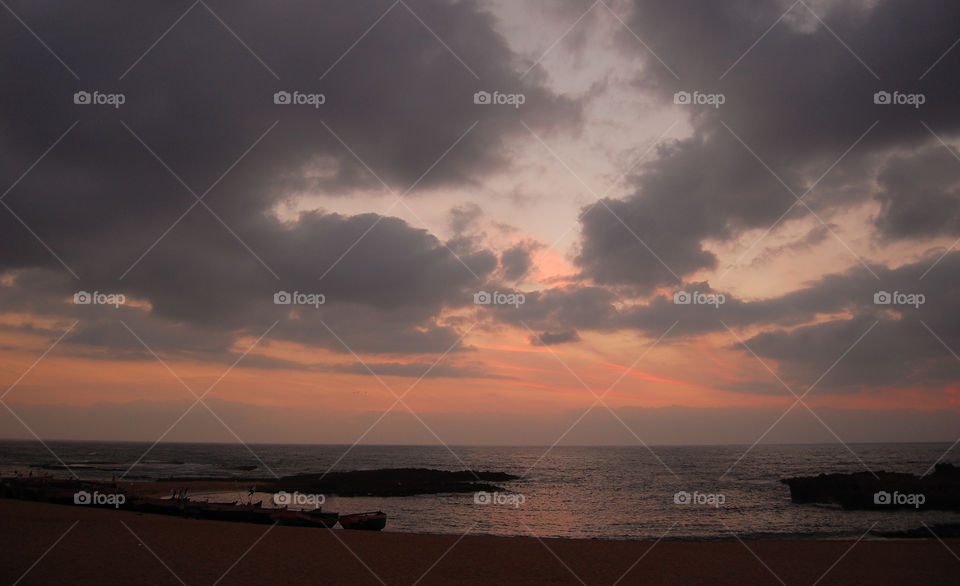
326	519
372	521
252	513
302	518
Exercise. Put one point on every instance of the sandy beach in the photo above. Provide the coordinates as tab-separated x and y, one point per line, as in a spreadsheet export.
98	546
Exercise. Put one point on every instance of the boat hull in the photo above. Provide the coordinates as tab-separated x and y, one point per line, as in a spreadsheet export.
374	521
303	519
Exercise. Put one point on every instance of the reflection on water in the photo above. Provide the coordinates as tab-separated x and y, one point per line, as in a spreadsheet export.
594	492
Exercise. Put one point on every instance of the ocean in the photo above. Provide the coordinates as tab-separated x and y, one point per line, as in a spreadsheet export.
583	492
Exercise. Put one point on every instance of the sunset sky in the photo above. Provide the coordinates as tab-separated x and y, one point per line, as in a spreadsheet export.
793	197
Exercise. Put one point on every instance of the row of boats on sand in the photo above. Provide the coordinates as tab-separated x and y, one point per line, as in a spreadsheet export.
110	495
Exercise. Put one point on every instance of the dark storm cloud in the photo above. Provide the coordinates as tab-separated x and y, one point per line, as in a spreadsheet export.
802	332
517	260
799	99
911	344
381	297
203	102
907	341
920	194
562	309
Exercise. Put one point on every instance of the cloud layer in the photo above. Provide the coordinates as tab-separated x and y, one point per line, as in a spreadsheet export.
180	198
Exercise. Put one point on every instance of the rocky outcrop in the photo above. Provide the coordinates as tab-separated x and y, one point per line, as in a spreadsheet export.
887	490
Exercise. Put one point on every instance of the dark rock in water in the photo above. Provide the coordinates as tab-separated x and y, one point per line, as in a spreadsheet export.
393	482
943	531
886	490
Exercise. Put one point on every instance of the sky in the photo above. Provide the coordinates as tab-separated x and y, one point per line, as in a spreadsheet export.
481	222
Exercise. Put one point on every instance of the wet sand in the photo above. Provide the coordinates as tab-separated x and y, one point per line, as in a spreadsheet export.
100	546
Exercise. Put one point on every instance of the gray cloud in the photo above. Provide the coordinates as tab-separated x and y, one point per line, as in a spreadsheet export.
399	100
909	345
553	338
384	296
463	216
200	99
517	260
802	332
799	100
920	195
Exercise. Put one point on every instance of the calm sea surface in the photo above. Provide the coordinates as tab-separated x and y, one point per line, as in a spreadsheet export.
591	492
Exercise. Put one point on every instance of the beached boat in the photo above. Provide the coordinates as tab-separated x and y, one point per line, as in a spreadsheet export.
302	518
326	519
252	513
372	521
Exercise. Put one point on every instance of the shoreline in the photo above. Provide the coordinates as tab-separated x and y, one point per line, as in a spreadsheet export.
101	546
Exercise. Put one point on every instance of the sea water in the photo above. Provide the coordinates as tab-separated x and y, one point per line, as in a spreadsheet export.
622	492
